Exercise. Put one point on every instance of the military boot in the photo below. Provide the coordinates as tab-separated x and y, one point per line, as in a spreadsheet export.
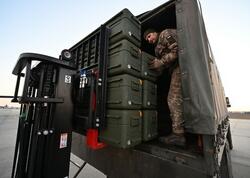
174	139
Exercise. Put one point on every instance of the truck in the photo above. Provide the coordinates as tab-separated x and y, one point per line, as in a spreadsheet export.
99	101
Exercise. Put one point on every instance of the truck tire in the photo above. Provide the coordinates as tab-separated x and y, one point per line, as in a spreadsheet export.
226	164
229	138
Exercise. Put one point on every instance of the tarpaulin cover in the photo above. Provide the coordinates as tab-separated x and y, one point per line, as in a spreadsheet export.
203	93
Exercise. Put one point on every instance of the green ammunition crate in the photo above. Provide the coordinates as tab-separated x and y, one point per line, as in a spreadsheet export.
124	57
124	128
124	92
124	25
149	100
145	71
149	125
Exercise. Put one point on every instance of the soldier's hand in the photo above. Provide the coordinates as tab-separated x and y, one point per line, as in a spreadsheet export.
155	64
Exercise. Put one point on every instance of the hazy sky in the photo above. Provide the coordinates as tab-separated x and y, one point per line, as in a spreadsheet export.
47	27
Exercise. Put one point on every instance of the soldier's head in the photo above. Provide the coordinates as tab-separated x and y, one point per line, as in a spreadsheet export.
150	35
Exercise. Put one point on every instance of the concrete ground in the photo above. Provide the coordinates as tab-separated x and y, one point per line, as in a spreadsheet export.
8	127
241	151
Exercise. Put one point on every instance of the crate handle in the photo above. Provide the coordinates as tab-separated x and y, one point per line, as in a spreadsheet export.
113	116
132	35
114	22
135	86
114	102
115	46
134	52
115	80
114	66
133	68
119	32
135	103
149	74
152	104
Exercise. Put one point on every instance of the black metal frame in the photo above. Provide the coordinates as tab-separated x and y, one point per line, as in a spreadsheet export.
40	123
96	74
102	80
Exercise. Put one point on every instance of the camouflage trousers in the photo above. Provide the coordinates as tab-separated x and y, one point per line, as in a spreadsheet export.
175	102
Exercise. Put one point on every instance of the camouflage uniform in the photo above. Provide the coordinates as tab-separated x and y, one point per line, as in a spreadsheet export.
166	50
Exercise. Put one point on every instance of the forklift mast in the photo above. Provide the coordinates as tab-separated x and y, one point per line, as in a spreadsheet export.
43	143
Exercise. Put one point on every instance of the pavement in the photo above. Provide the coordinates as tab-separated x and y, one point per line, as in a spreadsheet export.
241	147
8	128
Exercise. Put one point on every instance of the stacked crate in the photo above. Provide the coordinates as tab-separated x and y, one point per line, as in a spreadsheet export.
124	86
149	106
131	91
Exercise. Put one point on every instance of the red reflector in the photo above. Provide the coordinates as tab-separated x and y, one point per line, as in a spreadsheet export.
92	139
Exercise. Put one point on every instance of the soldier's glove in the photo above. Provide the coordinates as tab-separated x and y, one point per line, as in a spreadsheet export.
155	64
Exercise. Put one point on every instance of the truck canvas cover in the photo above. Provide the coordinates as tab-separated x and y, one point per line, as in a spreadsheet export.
203	93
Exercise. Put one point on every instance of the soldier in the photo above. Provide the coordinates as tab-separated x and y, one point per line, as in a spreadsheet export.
166	51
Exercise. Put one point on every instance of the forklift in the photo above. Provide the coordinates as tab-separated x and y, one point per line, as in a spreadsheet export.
99	101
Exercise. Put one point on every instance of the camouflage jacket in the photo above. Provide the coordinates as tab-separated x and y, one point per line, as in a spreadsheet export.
166	48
